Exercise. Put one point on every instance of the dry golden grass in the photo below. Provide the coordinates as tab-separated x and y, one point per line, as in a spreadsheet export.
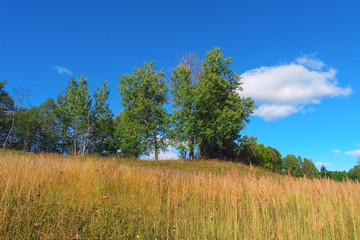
53	197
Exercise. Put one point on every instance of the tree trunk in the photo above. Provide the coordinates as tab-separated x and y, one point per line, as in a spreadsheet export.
8	136
202	150
83	151
25	145
74	137
87	134
191	148
156	147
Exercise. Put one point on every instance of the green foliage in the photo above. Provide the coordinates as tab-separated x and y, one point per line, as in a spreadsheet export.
184	111
265	157
143	120
27	126
221	112
81	116
248	151
309	169
51	124
6	105
338	175
276	160
354	173
292	166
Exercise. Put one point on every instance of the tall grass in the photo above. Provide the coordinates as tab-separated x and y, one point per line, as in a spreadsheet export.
55	197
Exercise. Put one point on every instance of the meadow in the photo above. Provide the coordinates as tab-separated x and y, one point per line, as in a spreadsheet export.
44	196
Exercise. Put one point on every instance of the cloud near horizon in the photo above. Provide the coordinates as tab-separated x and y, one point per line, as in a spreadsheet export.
320	164
169	154
355	153
280	91
62	70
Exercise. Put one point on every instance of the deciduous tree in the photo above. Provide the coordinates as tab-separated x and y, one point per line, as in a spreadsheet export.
143	120
221	112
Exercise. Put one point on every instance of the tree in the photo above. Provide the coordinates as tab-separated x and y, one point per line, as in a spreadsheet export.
309	169
26	130
248	151
183	81
143	120
265	157
99	122
338	175
276	160
221	113
6	107
292	165
323	171
20	95
81	118
354	173
51	128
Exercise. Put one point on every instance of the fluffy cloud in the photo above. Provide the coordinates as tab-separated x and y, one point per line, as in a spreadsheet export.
283	90
335	151
170	154
62	70
320	164
355	153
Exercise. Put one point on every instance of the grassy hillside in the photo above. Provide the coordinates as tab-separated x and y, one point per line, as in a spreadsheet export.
53	197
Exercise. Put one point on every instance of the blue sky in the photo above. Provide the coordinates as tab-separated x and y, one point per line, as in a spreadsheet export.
299	58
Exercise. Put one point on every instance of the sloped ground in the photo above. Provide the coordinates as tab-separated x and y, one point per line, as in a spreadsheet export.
55	197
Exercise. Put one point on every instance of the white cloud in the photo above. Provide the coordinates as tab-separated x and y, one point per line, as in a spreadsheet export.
63	70
320	164
283	90
311	63
355	153
169	154
335	151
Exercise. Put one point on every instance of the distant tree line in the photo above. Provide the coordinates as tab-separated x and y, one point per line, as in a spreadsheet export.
205	120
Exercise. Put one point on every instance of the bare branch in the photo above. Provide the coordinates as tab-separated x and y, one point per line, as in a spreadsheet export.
192	62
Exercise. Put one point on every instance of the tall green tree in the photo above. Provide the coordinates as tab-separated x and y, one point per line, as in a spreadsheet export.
276	160
221	112
248	151
20	96
6	107
183	81
309	169
292	165
26	131
51	128
143	120
79	114
354	173
99	121
265	157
